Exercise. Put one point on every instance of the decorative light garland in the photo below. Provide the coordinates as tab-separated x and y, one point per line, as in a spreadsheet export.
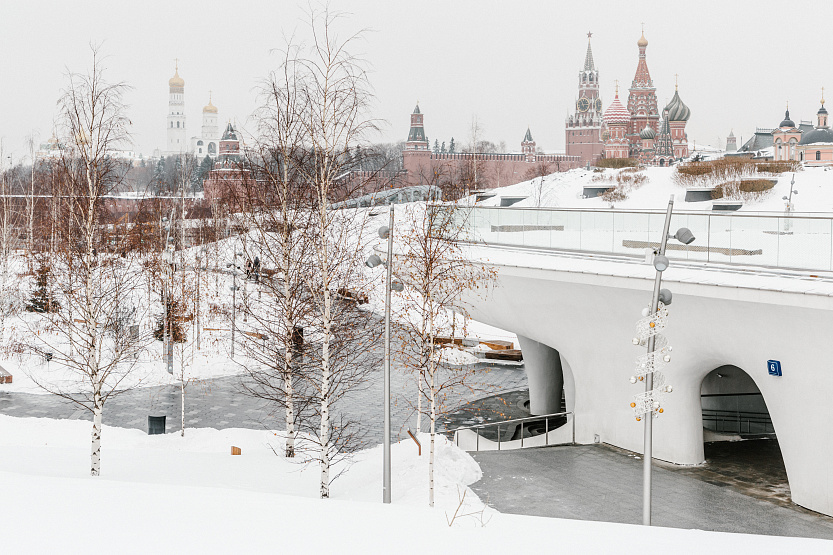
650	325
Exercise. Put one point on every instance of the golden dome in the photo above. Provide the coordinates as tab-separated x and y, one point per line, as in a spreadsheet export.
210	108
642	40
176	80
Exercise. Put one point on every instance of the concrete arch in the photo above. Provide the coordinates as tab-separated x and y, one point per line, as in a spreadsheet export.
729	388
589	320
548	373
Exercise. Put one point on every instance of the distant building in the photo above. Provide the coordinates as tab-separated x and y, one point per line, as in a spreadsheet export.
176	115
759	142
230	177
51	150
785	139
816	147
731	142
637	131
475	169
812	145
583	129
207	143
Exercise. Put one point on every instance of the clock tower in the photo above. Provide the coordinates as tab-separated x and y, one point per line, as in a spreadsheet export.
584	127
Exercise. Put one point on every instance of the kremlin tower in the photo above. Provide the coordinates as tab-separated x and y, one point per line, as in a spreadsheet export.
584	128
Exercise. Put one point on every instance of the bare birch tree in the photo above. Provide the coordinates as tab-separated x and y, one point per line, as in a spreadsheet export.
98	333
10	221
335	102
280	203
437	273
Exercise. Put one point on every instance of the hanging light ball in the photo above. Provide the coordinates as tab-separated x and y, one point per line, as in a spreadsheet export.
633	405
667	358
669	389
635	341
641	378
670	348
646	311
638	419
656	405
661	410
633	379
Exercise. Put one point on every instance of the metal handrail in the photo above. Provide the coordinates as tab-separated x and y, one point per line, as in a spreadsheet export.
536	417
775	251
655	211
738	417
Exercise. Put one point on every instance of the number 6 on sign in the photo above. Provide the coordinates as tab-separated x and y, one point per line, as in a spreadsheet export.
774	367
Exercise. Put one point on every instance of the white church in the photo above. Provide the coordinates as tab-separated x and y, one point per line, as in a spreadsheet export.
207	144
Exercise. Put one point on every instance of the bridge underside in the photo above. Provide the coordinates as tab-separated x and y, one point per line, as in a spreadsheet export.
576	331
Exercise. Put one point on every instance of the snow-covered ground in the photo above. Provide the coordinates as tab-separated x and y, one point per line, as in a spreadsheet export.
564	190
167	494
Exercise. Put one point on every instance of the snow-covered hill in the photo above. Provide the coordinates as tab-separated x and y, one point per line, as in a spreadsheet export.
566	190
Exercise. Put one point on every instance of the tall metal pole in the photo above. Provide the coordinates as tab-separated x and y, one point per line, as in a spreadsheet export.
386	445
649	383
233	304
170	319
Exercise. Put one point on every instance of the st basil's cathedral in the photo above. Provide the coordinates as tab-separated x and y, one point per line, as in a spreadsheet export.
637	131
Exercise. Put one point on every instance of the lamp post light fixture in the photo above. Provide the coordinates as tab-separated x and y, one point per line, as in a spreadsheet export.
647	405
386	232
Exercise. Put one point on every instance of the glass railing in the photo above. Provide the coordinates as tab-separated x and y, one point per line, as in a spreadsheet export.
795	241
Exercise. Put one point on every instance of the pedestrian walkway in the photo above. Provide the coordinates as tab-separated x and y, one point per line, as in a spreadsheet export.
603	483
220	403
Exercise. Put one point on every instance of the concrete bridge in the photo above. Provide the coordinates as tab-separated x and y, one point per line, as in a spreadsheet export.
751	288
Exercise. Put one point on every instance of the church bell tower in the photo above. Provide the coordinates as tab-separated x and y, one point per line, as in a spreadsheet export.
176	114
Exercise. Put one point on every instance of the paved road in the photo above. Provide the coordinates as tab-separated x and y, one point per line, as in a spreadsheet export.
220	403
598	482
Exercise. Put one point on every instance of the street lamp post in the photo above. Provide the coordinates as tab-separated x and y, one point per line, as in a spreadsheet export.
789	204
649	407
386	232
167	286
234	271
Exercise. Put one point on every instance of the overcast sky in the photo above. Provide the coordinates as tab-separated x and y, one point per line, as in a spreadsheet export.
510	64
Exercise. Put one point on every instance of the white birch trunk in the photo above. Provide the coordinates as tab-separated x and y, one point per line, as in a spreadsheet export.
325	400
182	402
290	418
433	430
95	451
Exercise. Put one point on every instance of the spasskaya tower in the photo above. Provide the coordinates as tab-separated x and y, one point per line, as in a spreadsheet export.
584	128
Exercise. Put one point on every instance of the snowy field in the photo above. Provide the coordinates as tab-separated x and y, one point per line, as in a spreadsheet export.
167	494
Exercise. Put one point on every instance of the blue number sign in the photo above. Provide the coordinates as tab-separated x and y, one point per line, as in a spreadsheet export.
774	367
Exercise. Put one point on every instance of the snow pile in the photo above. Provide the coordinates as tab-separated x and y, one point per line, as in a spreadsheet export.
457	357
167	494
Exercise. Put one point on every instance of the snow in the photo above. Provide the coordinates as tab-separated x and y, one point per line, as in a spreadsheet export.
457	357
564	190
167	494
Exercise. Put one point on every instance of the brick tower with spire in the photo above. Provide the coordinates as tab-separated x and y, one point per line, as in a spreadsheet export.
584	127
642	101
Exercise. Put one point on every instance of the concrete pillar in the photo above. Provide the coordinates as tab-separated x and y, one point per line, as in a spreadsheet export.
545	376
